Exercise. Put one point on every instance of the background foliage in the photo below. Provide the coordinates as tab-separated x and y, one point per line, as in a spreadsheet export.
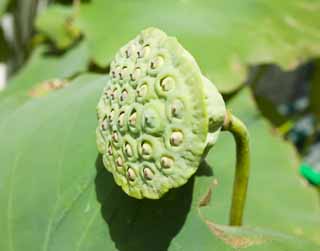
55	193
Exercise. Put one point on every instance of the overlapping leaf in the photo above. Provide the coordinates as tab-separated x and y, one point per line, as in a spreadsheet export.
40	69
223	36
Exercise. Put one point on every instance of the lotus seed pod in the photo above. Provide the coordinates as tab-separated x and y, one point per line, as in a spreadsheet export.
157	115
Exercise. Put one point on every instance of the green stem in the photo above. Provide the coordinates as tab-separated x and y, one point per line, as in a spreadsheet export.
241	136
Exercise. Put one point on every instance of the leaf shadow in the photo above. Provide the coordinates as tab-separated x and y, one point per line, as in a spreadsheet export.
143	225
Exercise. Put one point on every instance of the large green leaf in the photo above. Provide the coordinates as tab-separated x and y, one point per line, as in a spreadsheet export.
223	35
56	195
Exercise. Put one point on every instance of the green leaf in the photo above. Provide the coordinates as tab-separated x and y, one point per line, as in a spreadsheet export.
57	23
223	36
55	193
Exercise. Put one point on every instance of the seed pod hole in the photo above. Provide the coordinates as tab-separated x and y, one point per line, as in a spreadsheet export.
131	174
167	83
139	54
113	74
128	149
146	51
121	119
157	62
176	138
133	118
119	161
115	136
111	115
113	94
119	164
124	72
142	90
146	148
136	74
166	162
177	109
110	152
147	173
104	123
124	95
108	93
127	53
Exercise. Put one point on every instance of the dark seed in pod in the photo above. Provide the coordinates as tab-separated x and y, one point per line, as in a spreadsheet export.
148	174
176	138
115	136
131	174
119	161
133	119
110	150
167	83
121	119
166	162
146	148
142	90
124	95
128	149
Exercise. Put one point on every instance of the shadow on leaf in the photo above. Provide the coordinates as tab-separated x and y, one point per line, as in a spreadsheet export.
143	225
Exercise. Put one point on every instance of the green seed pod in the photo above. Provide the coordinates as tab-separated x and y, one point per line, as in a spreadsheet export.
157	116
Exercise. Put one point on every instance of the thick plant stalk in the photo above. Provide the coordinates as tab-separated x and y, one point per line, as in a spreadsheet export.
241	136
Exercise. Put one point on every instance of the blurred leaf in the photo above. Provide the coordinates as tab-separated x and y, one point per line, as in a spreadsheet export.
57	23
55	193
270	110
224	36
4	47
315	90
3	6
42	66
263	80
277	199
40	69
